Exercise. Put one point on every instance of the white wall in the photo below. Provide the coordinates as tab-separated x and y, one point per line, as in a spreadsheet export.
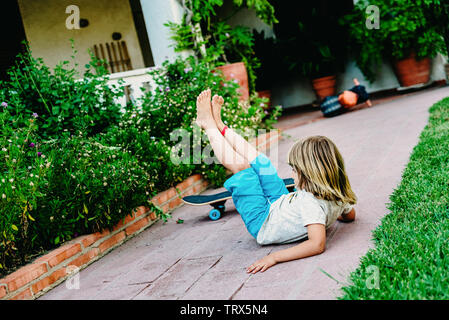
156	13
45	28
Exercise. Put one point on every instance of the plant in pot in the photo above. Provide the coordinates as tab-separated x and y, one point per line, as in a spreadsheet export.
312	43
226	48
407	38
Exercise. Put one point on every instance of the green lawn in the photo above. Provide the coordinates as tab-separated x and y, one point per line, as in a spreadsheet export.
412	242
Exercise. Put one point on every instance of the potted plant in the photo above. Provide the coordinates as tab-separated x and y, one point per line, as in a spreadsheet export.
226	48
311	43
407	38
439	15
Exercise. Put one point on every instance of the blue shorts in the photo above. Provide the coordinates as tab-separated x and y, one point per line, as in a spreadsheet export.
254	190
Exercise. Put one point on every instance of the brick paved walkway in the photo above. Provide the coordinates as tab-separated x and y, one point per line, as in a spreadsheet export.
203	259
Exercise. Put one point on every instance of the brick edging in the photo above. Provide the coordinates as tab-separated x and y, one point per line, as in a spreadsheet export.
36	278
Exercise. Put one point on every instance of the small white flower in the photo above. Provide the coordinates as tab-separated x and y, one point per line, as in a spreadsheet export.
3	196
31	183
11	180
105	184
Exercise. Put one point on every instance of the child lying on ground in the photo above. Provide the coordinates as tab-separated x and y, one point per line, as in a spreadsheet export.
270	213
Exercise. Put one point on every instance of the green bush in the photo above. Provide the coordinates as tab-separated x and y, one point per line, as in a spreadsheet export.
173	104
212	39
310	42
86	164
153	154
23	179
405	26
52	191
63	100
90	187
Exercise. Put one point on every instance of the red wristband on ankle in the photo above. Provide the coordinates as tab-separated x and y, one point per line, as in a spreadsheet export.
223	131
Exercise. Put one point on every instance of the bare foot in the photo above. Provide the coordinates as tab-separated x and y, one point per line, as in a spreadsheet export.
217	103
204	117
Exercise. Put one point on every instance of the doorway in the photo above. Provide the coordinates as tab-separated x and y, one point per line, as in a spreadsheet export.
13	31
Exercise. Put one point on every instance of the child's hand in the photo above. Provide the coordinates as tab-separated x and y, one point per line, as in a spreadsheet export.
262	264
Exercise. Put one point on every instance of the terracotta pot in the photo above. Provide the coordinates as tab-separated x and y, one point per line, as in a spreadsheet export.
324	86
410	71
446	69
265	94
237	71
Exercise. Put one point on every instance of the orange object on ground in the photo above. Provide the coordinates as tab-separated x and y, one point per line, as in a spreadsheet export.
348	99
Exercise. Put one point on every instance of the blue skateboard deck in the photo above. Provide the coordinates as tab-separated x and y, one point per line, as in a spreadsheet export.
218	200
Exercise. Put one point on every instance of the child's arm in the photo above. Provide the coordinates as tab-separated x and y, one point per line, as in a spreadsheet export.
348	217
313	246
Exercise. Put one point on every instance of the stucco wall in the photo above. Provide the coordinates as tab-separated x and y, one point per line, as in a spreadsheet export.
156	13
45	28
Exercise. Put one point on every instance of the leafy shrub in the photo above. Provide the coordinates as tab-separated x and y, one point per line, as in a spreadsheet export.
212	39
90	187
23	179
310	42
405	26
72	162
63	101
173	104
153	154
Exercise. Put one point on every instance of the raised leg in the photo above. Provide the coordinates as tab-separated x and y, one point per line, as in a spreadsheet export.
243	147
223	150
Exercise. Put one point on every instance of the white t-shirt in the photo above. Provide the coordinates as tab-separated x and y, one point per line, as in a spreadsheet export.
291	213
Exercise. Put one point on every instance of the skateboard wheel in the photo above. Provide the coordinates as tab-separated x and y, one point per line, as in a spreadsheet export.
214	214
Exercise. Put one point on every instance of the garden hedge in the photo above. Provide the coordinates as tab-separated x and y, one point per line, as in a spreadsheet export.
73	161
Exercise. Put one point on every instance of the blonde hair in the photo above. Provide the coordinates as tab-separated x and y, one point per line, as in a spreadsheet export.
321	169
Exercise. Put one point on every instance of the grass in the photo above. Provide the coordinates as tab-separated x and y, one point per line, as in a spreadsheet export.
411	249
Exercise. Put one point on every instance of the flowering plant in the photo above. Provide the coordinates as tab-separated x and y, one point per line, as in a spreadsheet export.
23	177
172	104
91	187
63	100
89	172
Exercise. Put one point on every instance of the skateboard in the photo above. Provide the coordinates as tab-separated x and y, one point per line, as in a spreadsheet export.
217	201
